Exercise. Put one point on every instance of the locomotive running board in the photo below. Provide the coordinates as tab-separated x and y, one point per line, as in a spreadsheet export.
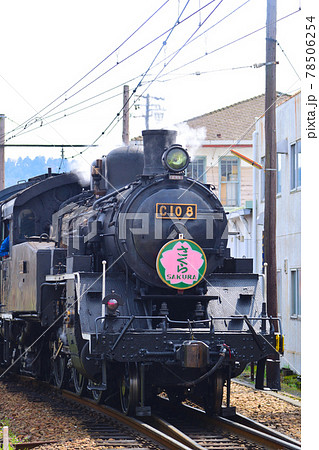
61	277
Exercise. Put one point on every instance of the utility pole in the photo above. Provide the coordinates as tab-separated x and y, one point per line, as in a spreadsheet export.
2	160
126	109
273	366
151	108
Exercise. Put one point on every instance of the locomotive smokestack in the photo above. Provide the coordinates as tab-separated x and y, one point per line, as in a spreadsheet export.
155	142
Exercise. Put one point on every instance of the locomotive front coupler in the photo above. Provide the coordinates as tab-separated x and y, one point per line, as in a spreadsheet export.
210	372
196	354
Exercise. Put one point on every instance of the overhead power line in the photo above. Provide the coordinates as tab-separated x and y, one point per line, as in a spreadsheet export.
118	115
206	72
177	22
158	77
288	60
40	119
208	29
34	117
49	145
229	43
97	65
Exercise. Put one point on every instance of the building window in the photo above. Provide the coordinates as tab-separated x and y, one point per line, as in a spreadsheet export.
295	292
229	181
279	172
295	165
196	169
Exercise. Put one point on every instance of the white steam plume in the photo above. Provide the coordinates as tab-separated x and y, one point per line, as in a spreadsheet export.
190	138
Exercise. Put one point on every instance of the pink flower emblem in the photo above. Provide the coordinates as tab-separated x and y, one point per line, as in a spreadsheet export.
182	264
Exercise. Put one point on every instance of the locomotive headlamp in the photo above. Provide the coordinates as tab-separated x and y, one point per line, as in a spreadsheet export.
175	159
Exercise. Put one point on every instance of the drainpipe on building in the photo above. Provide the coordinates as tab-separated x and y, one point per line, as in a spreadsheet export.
254	224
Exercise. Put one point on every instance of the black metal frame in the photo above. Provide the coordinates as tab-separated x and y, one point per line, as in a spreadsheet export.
160	345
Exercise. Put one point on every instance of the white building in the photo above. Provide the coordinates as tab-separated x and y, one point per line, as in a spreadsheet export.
228	128
288	228
237	184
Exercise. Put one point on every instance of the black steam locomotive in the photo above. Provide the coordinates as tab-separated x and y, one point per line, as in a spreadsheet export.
127	286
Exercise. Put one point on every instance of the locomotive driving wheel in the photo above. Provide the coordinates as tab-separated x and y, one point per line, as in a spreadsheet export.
98	394
130	389
59	365
79	382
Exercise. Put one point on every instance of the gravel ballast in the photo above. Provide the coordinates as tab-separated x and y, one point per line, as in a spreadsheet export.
36	420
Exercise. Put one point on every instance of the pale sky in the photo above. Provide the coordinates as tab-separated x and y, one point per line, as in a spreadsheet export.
50	46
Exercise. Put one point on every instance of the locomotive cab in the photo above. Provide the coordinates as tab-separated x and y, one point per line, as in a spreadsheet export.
26	216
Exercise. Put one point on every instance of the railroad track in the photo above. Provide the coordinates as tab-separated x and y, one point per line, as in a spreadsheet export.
186	427
104	428
235	432
174	427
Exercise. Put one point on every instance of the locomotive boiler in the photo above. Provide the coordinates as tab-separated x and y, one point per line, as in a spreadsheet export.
126	288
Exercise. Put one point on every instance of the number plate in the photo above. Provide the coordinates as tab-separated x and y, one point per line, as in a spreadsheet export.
176	211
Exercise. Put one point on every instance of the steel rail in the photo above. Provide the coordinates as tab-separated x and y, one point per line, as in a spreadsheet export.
171	437
269	440
243	420
135	424
241	426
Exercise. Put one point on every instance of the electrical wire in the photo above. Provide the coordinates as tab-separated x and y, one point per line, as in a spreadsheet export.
40	119
129	56
187	41
206	72
96	96
164	44
210	28
288	60
108	129
206	54
139	84
229	43
159	76
26	123
20	95
122	254
42	125
97	65
232	42
118	116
